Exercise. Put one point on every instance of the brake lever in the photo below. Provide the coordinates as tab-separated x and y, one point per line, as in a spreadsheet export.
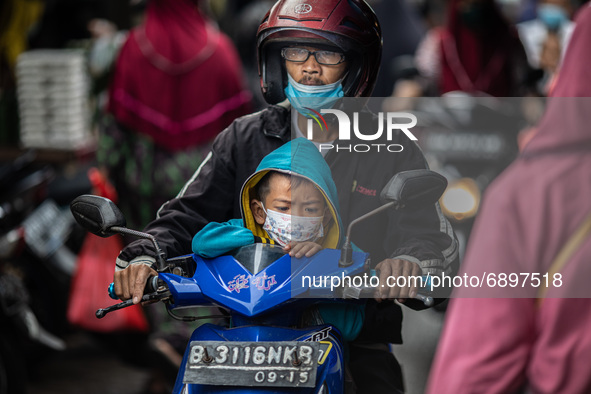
427	300
158	295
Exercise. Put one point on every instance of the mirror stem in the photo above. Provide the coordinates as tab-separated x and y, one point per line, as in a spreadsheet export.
160	256
347	250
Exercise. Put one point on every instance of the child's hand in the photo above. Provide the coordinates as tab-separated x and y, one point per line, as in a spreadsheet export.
302	249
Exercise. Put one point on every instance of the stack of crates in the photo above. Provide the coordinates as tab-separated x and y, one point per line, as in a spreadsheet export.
53	98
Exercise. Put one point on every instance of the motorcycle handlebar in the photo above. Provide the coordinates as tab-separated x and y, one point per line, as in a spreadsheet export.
348	292
151	286
364	291
357	292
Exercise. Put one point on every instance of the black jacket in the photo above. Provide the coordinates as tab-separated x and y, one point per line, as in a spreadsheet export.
212	194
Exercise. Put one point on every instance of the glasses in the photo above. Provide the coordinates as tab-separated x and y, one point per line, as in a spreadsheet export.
300	55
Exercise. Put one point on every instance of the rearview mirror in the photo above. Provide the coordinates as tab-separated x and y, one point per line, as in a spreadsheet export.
97	214
407	190
414	189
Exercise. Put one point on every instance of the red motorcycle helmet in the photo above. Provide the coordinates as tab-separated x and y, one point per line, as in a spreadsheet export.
349	25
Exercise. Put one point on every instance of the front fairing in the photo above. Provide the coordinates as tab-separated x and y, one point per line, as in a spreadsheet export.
257	278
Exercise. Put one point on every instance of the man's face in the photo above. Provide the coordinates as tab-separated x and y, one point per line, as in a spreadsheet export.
310	72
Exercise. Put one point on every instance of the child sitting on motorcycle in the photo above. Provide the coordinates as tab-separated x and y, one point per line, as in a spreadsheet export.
291	201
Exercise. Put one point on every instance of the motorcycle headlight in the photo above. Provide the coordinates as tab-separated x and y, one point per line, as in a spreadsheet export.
461	199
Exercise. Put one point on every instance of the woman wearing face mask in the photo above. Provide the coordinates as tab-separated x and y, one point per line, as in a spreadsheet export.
546	38
290	201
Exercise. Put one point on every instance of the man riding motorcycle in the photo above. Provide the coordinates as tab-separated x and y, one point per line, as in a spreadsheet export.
328	50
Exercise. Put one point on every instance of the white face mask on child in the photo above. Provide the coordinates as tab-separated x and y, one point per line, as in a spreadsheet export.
284	228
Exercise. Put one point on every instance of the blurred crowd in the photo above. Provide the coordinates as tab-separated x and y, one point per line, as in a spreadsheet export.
502	48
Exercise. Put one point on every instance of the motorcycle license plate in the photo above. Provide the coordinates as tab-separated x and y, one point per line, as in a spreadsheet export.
270	364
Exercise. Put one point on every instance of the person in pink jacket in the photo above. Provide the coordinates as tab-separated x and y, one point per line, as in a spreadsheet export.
536	340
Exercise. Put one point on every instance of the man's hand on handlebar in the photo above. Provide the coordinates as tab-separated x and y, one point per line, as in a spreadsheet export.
389	271
131	281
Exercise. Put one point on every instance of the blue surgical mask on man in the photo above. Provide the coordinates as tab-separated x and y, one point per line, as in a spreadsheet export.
312	96
552	16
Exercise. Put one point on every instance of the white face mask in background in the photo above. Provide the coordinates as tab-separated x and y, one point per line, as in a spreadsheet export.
284	228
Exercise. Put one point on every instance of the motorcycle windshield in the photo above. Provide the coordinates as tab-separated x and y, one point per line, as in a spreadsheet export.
257	257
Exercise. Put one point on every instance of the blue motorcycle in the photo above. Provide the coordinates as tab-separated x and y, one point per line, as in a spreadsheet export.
268	344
